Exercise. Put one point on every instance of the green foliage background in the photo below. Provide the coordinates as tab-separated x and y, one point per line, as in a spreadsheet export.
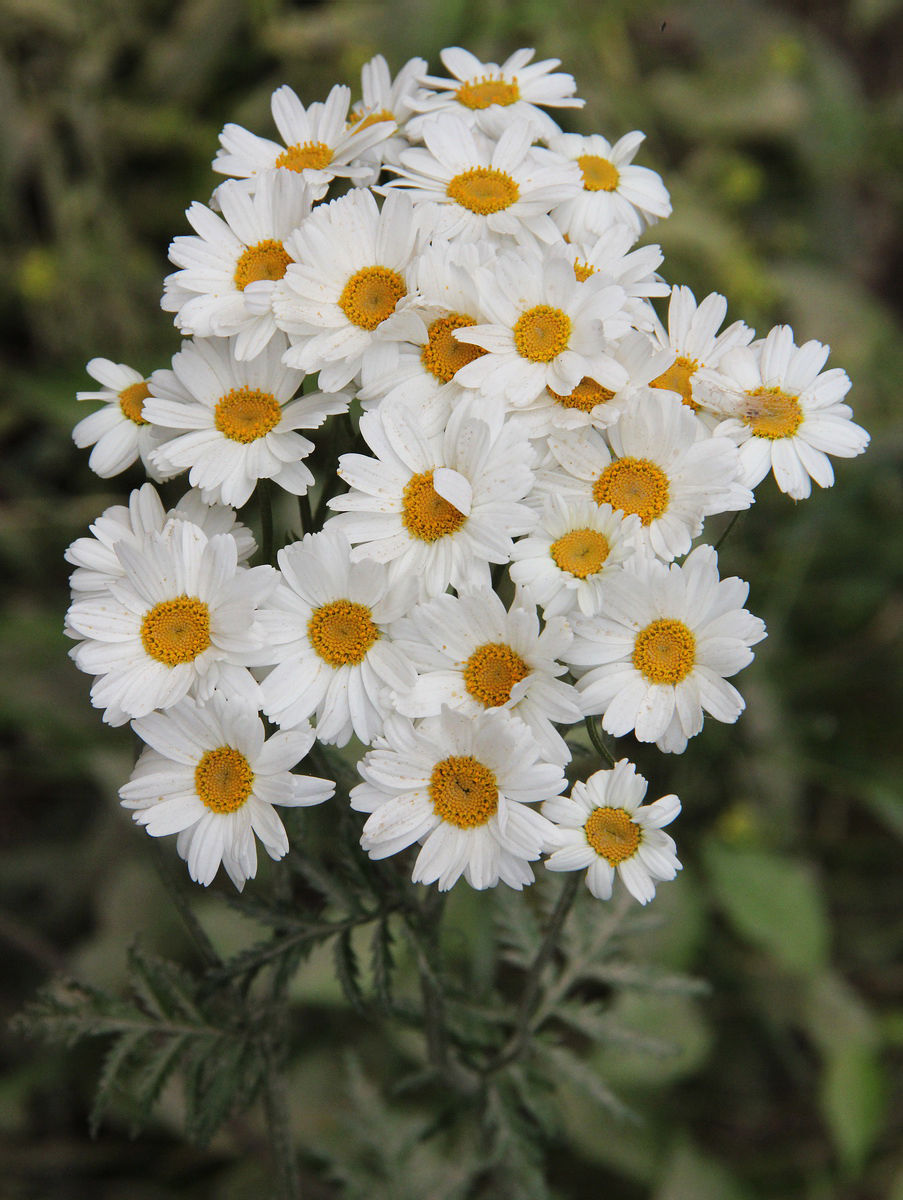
777	129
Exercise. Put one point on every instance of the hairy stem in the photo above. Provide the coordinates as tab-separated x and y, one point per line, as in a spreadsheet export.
279	1128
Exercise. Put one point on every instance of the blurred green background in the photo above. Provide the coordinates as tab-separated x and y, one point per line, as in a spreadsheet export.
777	128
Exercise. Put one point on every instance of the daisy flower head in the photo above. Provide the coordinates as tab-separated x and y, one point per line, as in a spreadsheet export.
96	562
210	775
235	421
546	330
490	97
613	189
318	142
120	431
228	272
487	190
785	413
462	787
441	508
183	619
326	628
472	654
388	99
339	297
567	561
657	464
604	829
662	647
635	270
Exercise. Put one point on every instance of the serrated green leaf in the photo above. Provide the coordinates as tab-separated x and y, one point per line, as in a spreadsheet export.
114	1064
382	961
162	987
565	1067
348	969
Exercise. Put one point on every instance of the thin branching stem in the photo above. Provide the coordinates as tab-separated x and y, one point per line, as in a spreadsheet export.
279	1126
173	886
728	529
596	738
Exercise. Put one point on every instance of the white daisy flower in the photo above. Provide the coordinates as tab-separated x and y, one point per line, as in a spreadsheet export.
613	189
420	370
438	509
661	467
472	655
604	829
545	328
318	142
462	787
388	99
210	775
340	295
662	647
183	619
568	560
785	413
692	334
240	419
229	271
487	190
95	560
120	432
491	97
326	628
636	271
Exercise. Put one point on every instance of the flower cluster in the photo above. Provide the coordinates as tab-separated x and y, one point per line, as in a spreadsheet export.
452	285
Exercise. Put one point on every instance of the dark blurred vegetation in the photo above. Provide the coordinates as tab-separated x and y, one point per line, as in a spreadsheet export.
777	129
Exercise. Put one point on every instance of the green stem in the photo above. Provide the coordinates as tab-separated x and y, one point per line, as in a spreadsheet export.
279	1128
304	512
265	497
173	886
596	738
730	525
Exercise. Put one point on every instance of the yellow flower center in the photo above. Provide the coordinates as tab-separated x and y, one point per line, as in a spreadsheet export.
131	401
424	513
492	671
463	791
678	378
265	260
342	632
375	118
176	631
612	834
480	93
314	156
583	270
245	414
223	779
443	354
581	552
771	413
599	175
370	296
634	485
541	333
585	396
483	190
665	651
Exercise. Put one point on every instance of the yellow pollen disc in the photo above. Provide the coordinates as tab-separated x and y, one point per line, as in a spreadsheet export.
443	354
583	270
424	513
315	156
612	834
678	378
244	414
541	333
585	396
131	401
176	631
463	791
599	175
342	632
223	779
665	651
370	295
581	552
483	190
771	413
375	118
480	93
634	485
266	260
492	671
